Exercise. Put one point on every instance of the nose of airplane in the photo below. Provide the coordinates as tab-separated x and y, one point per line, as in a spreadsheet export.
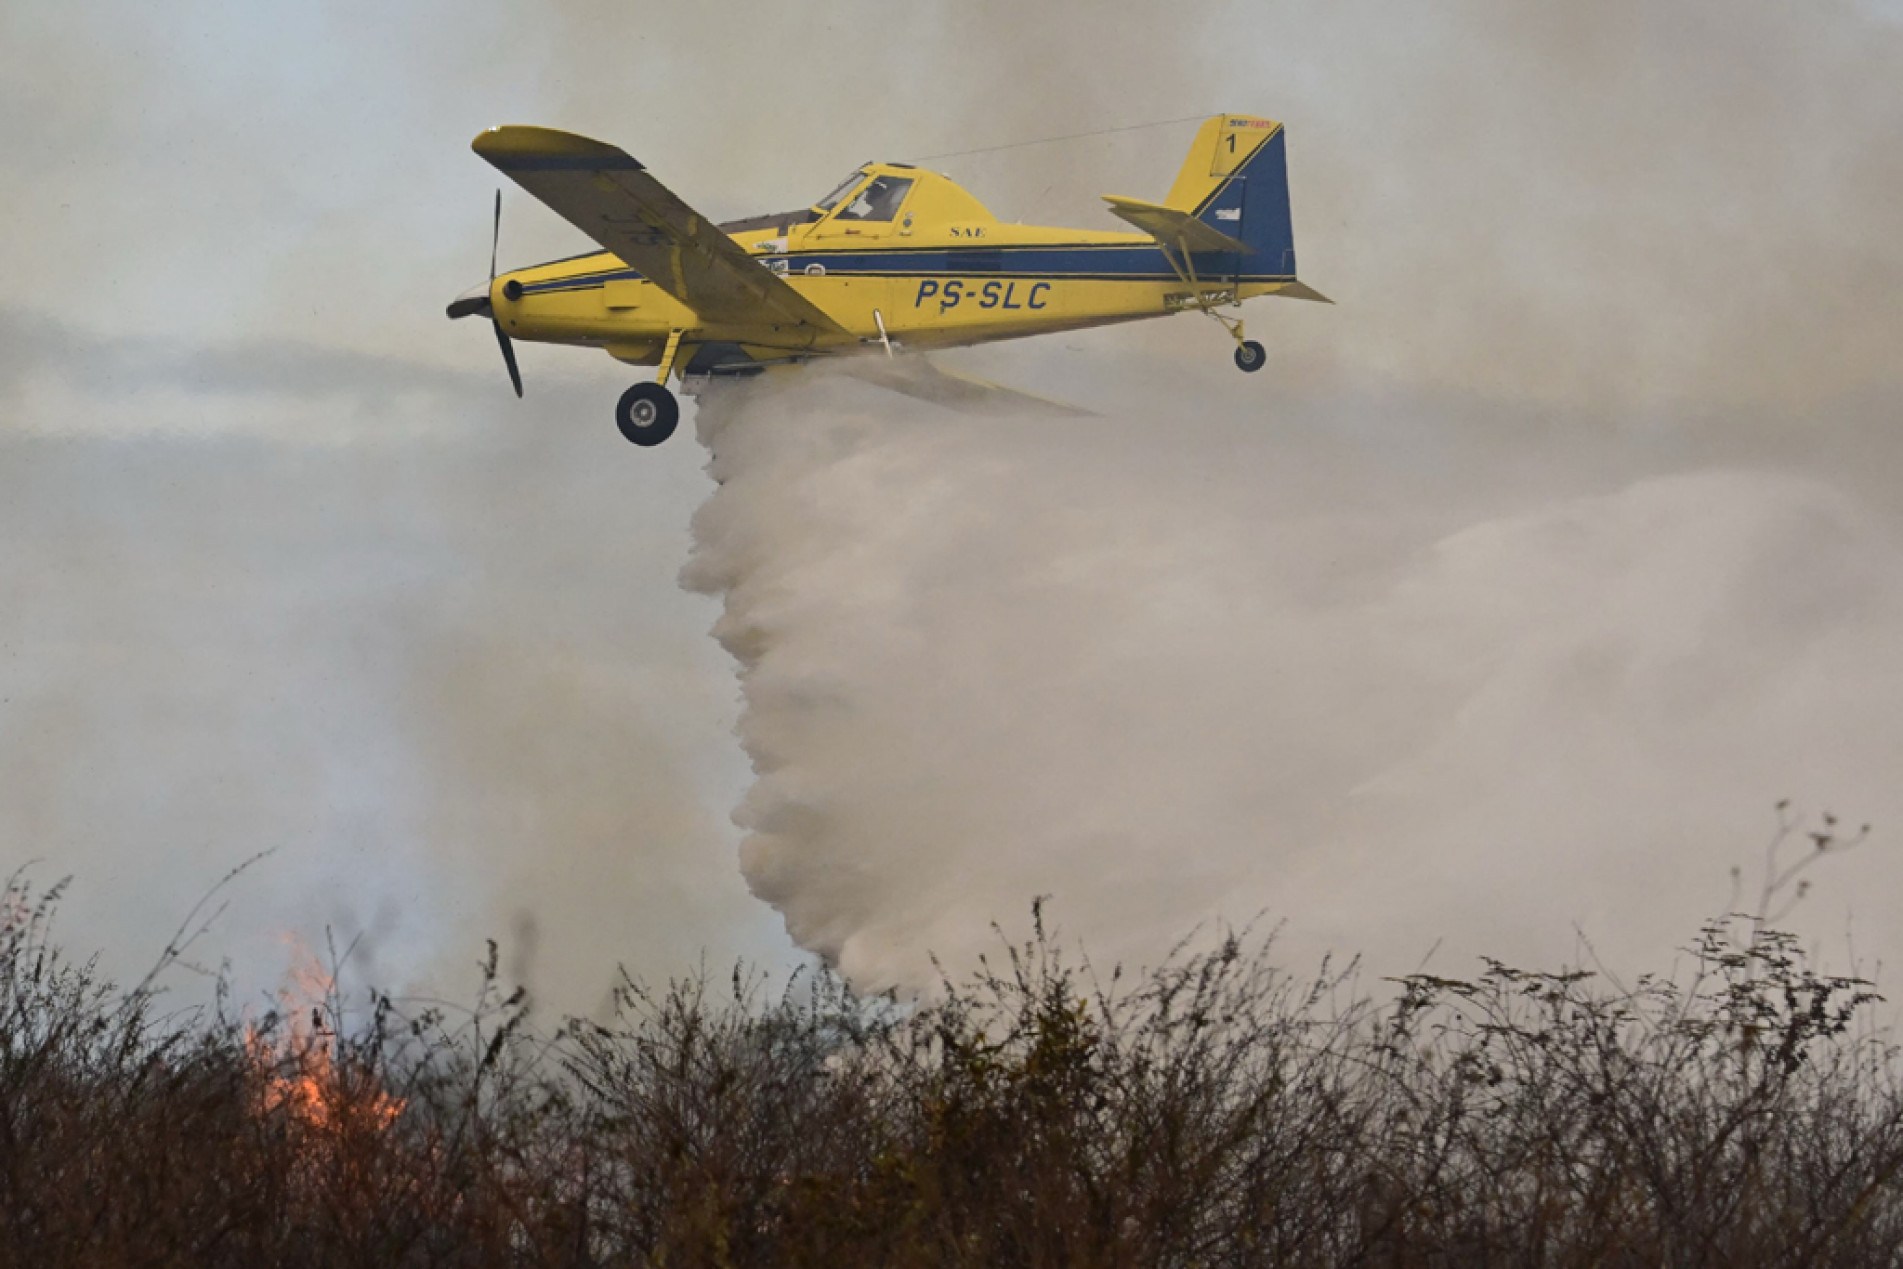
477	299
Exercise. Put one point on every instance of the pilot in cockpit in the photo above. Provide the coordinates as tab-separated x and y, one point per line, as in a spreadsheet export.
877	201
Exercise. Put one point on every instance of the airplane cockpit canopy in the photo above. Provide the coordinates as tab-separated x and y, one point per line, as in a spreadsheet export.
878	201
877	193
857	198
844	188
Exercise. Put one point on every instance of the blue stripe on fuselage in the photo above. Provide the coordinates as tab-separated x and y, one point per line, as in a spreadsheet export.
1135	262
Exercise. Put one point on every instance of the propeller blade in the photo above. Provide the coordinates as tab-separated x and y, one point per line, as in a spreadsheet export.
474	300
508	355
495	236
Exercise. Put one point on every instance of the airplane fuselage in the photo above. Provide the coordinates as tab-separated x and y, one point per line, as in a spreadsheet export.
929	278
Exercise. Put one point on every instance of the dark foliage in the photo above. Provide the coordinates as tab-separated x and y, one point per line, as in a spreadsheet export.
1212	1112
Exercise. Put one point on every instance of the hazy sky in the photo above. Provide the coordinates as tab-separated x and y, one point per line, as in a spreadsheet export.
1586	493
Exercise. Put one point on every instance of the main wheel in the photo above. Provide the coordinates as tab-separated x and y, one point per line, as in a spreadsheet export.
1249	356
647	413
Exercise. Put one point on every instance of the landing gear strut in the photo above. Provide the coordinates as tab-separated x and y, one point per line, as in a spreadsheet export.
1250	356
647	413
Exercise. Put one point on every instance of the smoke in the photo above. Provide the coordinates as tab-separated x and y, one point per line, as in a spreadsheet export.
1175	665
1390	639
416	641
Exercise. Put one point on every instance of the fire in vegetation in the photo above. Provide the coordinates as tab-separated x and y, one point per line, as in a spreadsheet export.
1214	1110
294	1052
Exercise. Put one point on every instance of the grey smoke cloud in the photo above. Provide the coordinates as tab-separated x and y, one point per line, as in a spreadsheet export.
394	631
1585	493
120	366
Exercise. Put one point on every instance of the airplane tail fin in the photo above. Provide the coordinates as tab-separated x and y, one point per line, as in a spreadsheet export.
1235	180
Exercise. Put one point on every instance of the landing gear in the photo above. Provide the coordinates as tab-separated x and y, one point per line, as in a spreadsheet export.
1206	298
647	413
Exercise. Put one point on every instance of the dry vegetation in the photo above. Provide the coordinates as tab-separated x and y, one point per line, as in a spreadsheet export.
1214	1112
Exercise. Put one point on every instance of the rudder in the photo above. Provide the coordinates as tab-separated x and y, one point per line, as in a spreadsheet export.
1235	179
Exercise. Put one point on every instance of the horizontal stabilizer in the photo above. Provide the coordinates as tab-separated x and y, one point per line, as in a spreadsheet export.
1302	291
1173	228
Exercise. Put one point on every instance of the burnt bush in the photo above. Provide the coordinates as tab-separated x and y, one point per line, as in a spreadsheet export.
1215	1111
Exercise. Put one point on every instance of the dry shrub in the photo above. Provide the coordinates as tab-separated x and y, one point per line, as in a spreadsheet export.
1215	1111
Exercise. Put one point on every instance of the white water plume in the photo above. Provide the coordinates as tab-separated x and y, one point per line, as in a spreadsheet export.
1173	673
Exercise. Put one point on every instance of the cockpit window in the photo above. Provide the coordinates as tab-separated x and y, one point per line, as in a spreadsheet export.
878	201
845	187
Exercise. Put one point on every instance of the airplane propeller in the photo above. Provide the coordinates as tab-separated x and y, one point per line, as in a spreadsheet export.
478	301
502	336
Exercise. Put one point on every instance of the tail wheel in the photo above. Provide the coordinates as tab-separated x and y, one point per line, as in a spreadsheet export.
1250	356
647	413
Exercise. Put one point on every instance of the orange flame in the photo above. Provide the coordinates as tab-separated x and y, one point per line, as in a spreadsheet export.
301	1075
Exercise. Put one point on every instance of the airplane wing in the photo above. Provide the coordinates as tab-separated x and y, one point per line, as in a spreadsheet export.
914	376
606	194
1171	227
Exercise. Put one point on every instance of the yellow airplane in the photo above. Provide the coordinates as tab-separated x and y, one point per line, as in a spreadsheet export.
895	260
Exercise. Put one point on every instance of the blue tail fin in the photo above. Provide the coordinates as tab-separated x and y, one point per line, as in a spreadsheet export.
1235	179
